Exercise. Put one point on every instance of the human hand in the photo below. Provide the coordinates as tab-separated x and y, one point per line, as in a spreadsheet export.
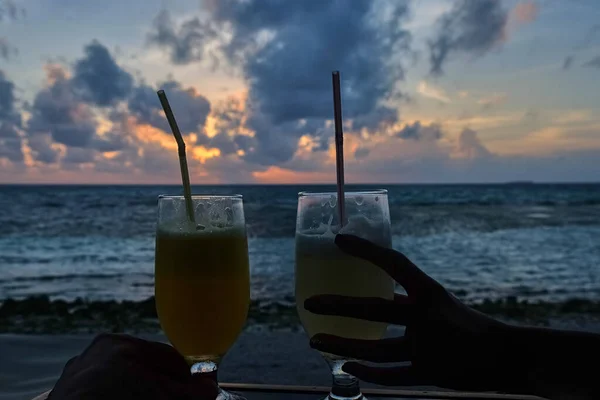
448	344
122	366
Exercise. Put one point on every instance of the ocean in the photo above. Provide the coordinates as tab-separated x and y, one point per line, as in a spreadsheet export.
532	241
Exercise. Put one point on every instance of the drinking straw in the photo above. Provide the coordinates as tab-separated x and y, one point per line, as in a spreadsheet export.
339	146
185	176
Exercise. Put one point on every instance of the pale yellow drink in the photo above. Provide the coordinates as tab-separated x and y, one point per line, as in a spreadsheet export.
321	268
202	290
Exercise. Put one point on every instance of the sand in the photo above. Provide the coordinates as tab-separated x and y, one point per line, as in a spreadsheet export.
30	364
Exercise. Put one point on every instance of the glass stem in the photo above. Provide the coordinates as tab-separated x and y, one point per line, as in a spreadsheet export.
344	386
207	369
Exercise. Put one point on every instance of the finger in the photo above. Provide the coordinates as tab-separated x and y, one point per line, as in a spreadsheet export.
402	299
393	376
394	263
202	388
384	350
367	308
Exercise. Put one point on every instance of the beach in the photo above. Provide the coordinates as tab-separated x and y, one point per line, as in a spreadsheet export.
78	261
31	363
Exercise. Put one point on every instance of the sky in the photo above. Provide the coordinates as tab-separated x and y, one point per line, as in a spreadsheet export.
433	91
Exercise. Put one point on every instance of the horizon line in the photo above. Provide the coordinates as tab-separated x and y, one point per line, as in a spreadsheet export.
516	182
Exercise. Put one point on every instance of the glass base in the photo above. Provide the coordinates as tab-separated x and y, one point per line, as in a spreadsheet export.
225	395
209	369
344	385
332	396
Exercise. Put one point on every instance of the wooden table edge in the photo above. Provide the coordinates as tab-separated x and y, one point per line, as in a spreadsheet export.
254	387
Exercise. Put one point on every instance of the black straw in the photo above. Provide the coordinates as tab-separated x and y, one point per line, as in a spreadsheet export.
339	145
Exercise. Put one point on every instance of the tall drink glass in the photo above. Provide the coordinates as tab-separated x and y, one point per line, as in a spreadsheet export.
202	284
321	268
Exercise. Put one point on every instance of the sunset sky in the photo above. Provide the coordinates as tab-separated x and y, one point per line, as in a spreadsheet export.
433	90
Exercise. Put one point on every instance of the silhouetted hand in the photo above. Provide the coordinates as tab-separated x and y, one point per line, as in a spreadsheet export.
447	343
122	366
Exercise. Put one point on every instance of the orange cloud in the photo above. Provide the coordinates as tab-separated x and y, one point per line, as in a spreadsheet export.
202	154
524	12
278	175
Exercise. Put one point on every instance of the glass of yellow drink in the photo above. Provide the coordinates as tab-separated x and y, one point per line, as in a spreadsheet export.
321	268
202	284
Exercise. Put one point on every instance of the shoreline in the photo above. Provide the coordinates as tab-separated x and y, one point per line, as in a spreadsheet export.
42	315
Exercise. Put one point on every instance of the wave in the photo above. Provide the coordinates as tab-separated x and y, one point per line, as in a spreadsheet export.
40	314
69	277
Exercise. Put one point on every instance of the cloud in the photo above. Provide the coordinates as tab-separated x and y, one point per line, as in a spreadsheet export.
361	153
10	143
286	51
41	146
10	122
568	62
58	111
99	78
7	50
416	131
432	92
524	12
190	108
76	126
77	155
185	43
470	147
492	100
594	62
471	27
8	12
8	112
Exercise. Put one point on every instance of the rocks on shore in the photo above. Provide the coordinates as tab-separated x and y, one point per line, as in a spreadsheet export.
40	314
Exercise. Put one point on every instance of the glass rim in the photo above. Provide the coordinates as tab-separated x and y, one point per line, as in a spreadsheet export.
372	192
201	196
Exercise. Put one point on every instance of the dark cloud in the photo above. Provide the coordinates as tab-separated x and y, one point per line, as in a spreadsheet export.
416	131
10	121
189	107
66	113
594	62
7	50
76	155
271	145
62	112
186	43
8	131
10	143
290	77
10	11
472	26
11	149
8	112
99	78
112	141
229	117
58	111
42	150
568	62
286	52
